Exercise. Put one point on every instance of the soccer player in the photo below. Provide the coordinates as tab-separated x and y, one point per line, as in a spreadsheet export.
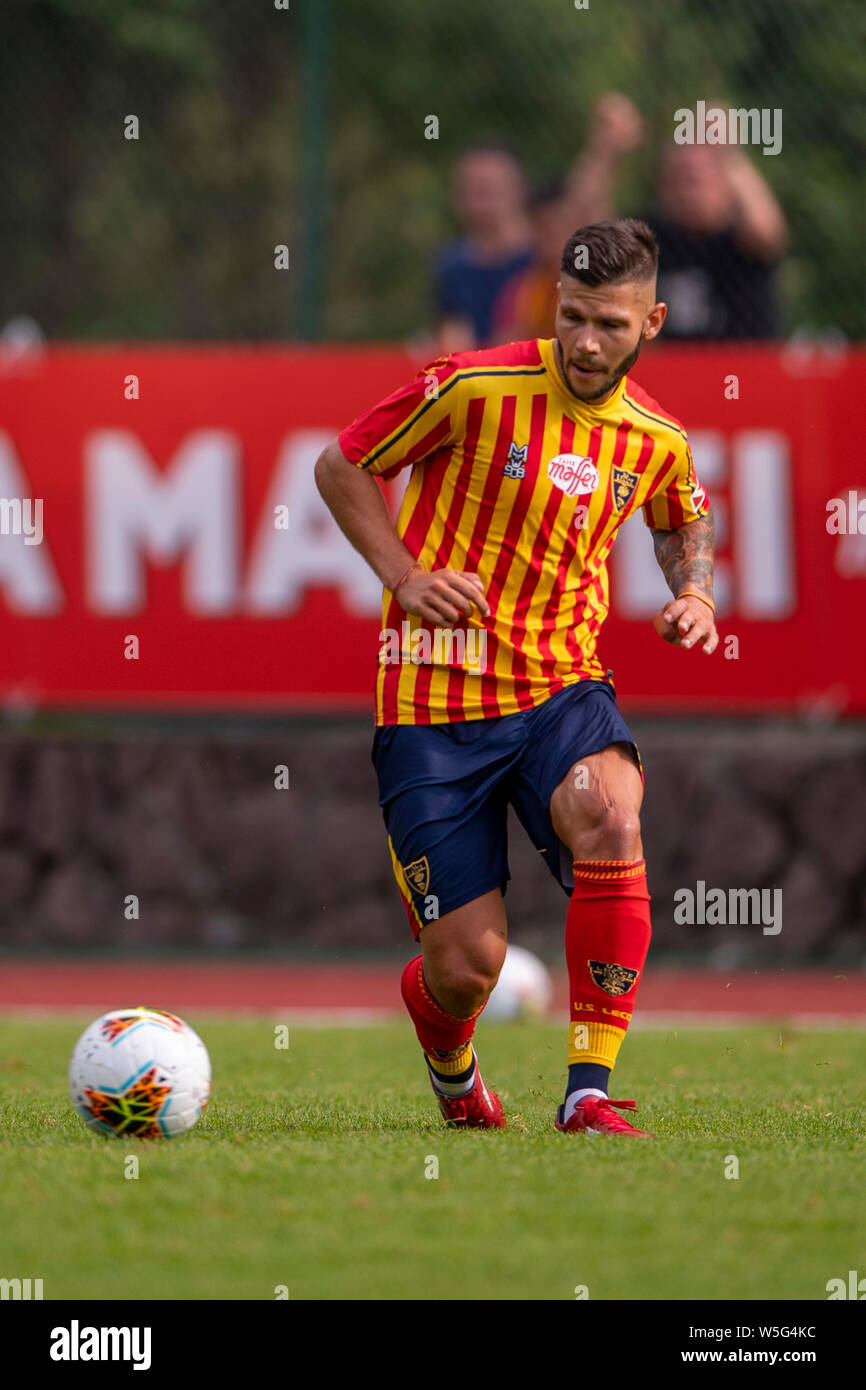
526	459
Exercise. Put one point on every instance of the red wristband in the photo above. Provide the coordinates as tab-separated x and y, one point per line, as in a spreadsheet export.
405	576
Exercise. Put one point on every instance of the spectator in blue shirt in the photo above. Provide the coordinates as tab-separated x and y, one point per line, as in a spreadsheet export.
489	195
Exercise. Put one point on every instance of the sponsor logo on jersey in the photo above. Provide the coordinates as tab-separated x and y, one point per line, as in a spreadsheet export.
612	978
515	466
573	473
622	485
418	874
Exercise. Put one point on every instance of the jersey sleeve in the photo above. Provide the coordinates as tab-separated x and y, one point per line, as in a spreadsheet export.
414	421
679	497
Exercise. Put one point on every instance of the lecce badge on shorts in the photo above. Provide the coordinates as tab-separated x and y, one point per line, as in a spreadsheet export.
418	874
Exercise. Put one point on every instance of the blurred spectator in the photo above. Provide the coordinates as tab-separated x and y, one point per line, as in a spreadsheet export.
489	198
526	306
478	294
721	237
720	228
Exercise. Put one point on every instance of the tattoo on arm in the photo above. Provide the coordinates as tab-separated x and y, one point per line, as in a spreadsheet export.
686	556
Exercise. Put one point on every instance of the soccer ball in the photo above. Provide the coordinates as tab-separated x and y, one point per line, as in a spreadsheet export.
524	988
140	1072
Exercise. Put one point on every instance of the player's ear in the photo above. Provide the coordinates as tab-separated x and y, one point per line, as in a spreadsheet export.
654	320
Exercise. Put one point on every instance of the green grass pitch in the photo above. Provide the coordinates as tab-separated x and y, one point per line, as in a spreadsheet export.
308	1172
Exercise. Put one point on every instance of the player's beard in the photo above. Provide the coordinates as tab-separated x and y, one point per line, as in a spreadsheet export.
611	381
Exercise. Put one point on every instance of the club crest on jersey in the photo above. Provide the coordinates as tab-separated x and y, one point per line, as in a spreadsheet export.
418	874
573	473
515	466
613	979
622	484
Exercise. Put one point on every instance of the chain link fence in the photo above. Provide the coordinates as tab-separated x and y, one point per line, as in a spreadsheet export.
305	124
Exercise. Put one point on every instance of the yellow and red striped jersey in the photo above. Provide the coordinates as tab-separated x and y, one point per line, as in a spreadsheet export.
516	480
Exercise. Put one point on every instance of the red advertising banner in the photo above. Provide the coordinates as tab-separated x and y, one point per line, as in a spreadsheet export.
163	544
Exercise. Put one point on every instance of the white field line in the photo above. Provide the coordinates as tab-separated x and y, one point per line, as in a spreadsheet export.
705	1019
363	1018
331	1018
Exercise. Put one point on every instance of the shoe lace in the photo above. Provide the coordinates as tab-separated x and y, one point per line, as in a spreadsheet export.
617	1120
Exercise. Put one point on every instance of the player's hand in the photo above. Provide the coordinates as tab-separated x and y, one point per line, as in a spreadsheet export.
687	622
442	597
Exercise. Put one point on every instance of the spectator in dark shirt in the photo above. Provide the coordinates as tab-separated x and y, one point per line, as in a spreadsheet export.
721	230
721	235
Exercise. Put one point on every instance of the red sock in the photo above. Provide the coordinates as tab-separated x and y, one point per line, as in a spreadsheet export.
607	936
438	1032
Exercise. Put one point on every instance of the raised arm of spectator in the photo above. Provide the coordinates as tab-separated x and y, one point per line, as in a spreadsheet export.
616	128
759	221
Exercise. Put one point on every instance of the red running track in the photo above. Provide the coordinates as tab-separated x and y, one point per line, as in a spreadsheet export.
283	987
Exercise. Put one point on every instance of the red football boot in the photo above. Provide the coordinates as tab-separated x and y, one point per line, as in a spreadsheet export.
593	1115
478	1109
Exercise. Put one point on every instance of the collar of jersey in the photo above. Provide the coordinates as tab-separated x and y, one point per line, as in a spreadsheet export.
580	409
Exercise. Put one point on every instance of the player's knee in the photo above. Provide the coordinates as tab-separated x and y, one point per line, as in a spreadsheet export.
462	987
614	833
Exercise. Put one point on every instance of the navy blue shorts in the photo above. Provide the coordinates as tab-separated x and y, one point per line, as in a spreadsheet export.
445	789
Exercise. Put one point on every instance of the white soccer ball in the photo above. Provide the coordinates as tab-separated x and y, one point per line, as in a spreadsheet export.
524	988
140	1072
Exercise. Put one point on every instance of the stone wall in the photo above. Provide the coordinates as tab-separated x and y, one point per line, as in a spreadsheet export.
191	823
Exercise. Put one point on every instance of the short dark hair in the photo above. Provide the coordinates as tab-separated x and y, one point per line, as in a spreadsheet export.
545	192
613	252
